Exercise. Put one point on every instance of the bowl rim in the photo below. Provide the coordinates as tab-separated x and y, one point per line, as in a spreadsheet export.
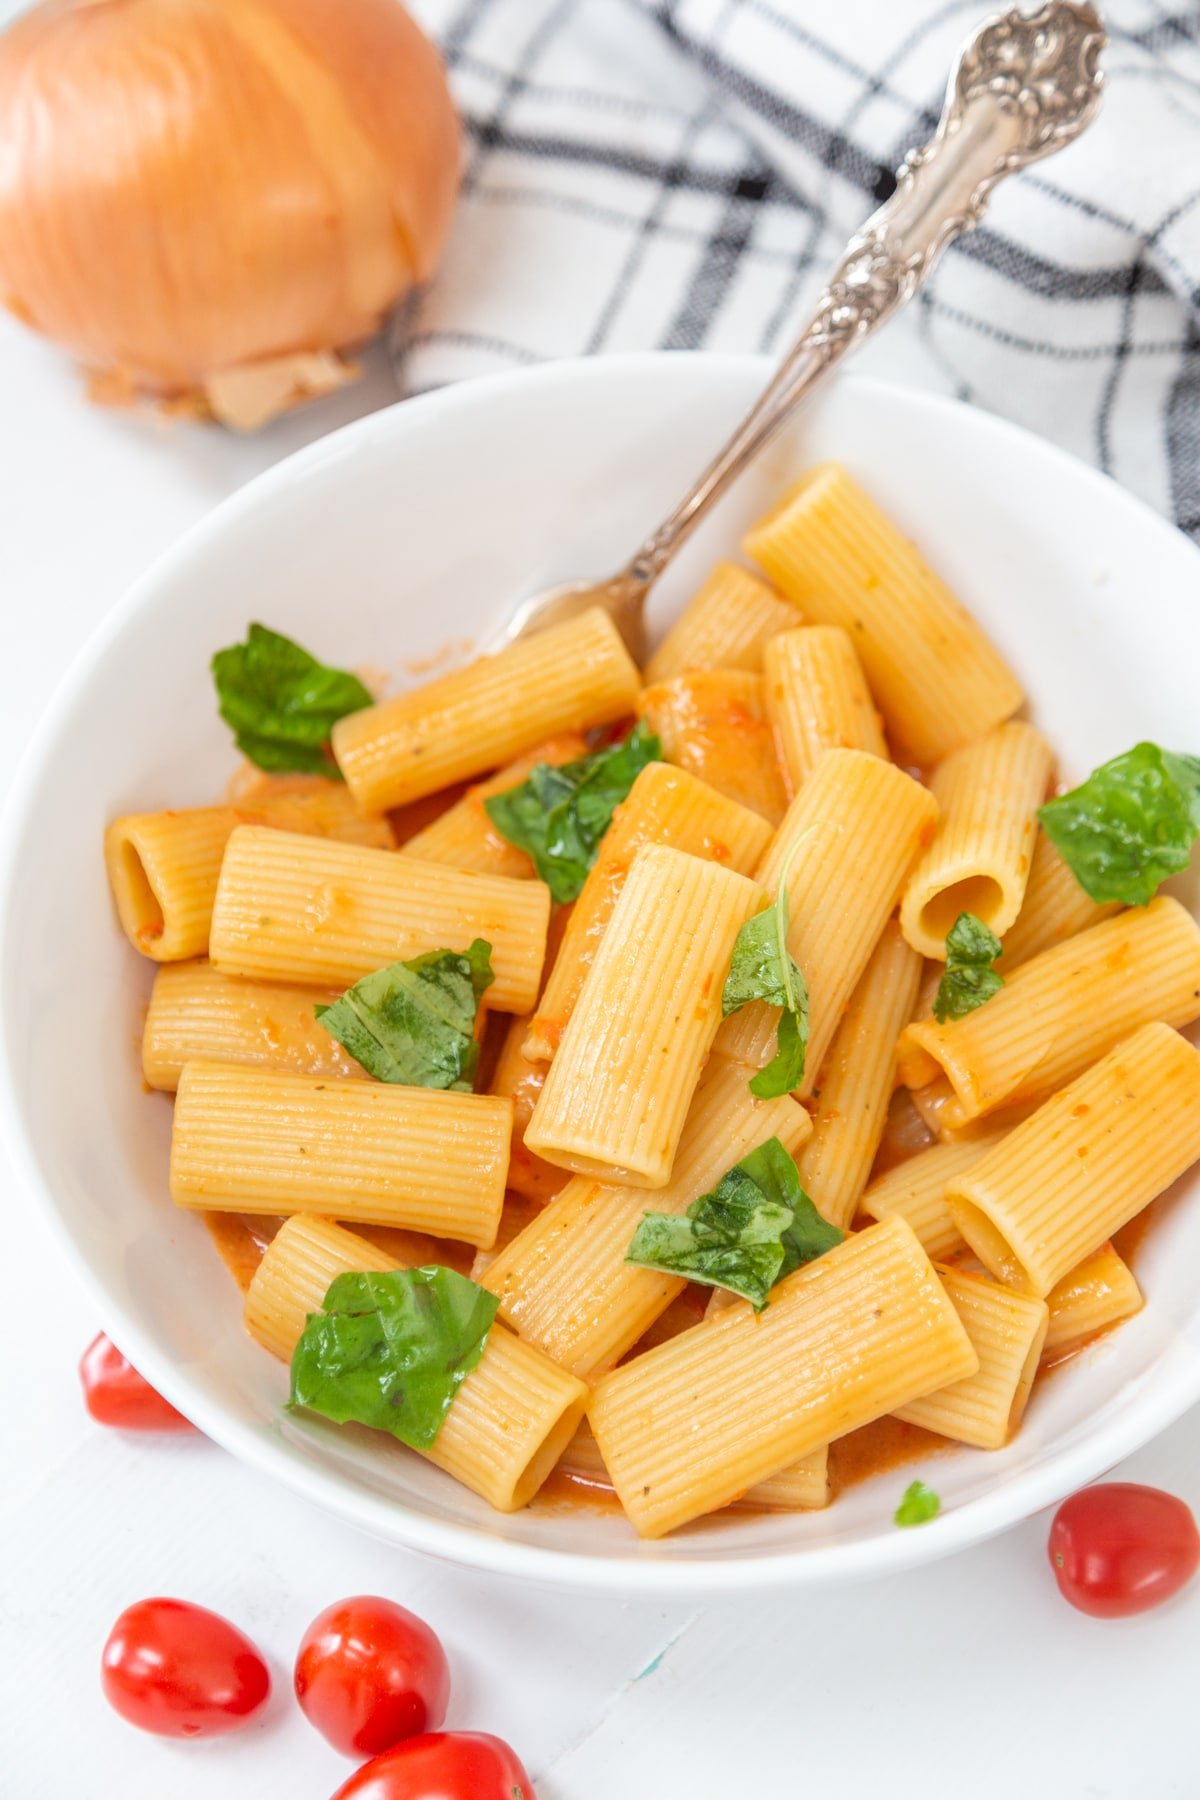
1015	1498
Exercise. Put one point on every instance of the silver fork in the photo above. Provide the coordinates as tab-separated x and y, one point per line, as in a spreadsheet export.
1024	86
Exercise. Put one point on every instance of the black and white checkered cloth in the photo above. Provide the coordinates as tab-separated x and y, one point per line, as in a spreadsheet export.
681	174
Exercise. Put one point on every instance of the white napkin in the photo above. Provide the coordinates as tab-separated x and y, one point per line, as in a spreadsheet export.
682	174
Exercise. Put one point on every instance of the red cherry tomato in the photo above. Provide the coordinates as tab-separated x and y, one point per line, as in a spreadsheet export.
181	1671
115	1394
369	1673
445	1765
1121	1548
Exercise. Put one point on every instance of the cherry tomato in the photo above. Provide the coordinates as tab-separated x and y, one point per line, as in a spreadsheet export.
445	1765
115	1394
181	1671
1121	1548
369	1673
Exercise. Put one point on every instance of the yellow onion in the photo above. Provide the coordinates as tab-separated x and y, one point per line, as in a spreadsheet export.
207	200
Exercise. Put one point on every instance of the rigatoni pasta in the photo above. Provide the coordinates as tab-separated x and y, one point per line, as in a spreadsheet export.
856	1086
1055	908
512	1417
163	867
1060	1011
1086	1163
840	893
1097	1294
936	678
856	1334
665	805
198	1014
163	870
988	793
1007	1331
257	1140
915	1191
725	625
817	698
307	910
566	678
804	1487
714	724
520	1080
618	1091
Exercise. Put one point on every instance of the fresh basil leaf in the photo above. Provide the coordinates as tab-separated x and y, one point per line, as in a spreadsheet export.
971	949
1129	825
762	968
390	1349
282	703
558	815
776	1176
918	1504
745	1258
785	1071
413	1022
756	1226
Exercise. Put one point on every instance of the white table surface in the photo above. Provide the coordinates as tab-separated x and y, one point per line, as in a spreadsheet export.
839	1692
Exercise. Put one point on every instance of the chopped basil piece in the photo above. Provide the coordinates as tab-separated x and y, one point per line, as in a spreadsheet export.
762	968
918	1504
971	949
282	703
414	1022
390	1349
559	815
1129	825
756	1226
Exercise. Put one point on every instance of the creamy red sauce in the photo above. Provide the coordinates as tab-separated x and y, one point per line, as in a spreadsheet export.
240	1239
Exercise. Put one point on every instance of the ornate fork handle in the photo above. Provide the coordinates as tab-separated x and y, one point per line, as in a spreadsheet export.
1024	86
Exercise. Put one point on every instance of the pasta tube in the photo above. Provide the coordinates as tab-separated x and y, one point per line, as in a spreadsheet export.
801	1488
1055	908
988	794
1085	1163
566	678
664	806
309	804
619	1089
163	869
714	724
196	1013
564	1283
864	1329
916	1192
163	866
817	698
1007	1331
1098	1293
520	1080
848	840
257	1140
724	626
937	680
509	1421
857	1082
306	910
464	837
1060	1011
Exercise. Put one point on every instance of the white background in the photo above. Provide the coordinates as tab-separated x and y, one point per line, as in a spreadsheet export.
838	1692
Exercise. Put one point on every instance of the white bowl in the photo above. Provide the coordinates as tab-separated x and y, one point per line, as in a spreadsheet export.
418	528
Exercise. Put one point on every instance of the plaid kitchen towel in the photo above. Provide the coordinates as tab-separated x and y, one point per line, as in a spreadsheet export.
682	174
